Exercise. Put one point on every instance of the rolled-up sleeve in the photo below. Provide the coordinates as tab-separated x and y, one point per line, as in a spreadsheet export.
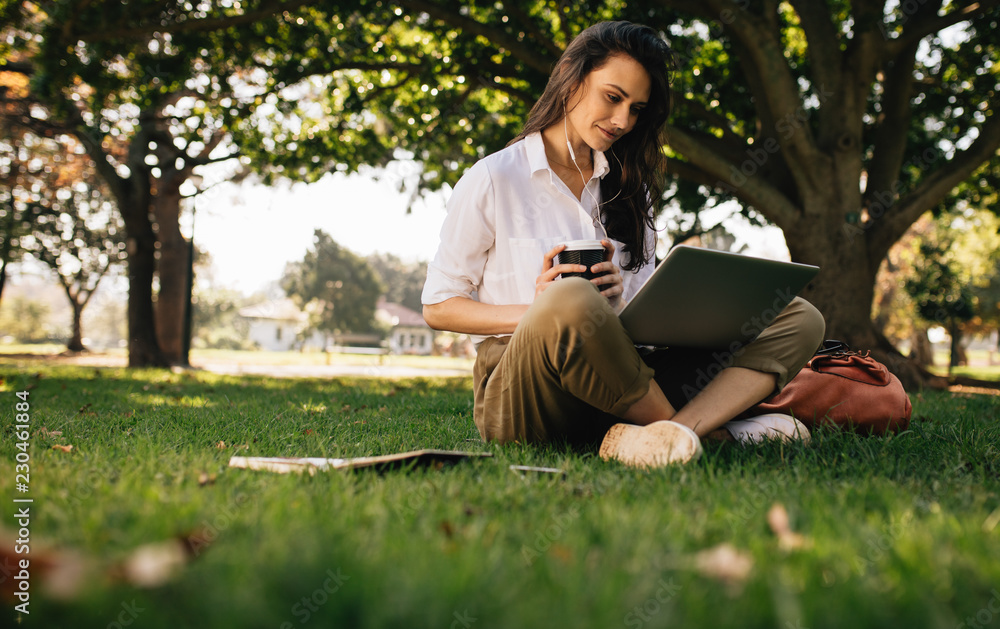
467	237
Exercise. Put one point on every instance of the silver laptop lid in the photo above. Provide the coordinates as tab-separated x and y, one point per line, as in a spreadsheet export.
711	299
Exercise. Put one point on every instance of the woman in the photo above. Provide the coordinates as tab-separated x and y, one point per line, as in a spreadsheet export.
553	362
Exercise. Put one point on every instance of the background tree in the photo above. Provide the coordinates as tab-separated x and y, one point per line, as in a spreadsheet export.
78	236
839	123
944	266
217	323
20	171
942	298
336	286
54	206
140	111
987	319
403	281
25	320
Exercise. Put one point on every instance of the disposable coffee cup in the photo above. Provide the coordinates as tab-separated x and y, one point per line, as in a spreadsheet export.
585	252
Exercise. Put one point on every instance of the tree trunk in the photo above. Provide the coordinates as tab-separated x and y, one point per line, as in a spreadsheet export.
76	340
956	356
143	348
840	250
3	275
172	266
921	351
7	250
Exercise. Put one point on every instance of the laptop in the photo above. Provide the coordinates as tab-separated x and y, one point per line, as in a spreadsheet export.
710	299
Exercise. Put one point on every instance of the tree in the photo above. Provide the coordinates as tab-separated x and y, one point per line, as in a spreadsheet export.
54	208
336	286
941	296
25	320
839	123
404	282
940	273
139	114
78	236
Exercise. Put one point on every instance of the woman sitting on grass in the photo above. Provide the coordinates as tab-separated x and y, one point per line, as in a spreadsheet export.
553	361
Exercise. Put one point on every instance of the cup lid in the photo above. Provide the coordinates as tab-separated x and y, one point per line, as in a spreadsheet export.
582	245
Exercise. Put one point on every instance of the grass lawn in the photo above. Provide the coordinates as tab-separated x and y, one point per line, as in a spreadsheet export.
899	531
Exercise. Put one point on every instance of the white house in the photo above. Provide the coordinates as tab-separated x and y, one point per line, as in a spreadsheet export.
275	325
409	333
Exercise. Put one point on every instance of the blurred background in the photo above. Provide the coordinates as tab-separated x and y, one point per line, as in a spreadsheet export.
255	176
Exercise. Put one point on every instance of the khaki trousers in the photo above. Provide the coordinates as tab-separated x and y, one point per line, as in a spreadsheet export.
569	371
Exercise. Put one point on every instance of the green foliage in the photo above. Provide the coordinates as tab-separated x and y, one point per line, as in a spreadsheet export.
899	531
940	295
25	319
338	288
216	322
404	282
77	233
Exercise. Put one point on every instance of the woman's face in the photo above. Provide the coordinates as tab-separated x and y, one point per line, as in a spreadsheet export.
606	105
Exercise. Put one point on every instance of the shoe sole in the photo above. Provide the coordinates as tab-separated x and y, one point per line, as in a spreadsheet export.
656	445
774	426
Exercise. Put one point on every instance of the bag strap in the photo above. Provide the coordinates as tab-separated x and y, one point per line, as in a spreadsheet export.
833	347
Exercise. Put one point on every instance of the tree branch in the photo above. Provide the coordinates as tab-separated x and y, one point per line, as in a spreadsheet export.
912	36
889	139
190	25
528	55
752	190
935	187
512	7
95	149
690	172
20	67
777	92
824	43
714	120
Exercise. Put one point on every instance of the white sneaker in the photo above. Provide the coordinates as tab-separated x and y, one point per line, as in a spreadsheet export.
763	427
658	444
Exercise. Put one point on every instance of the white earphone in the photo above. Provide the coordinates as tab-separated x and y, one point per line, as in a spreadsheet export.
572	155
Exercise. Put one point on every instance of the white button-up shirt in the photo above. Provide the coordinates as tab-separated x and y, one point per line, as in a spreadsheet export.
505	213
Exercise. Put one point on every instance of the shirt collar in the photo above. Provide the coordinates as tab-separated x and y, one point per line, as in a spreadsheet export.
535	149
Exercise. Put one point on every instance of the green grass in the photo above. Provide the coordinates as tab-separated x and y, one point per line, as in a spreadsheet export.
199	357
900	531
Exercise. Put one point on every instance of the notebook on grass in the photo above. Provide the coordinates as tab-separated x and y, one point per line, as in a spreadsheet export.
711	299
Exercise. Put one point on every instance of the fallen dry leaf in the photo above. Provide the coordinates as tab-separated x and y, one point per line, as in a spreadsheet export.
221	445
61	573
152	565
45	432
62	448
777	519
724	562
205	479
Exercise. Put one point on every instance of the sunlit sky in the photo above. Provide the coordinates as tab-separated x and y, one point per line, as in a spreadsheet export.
252	231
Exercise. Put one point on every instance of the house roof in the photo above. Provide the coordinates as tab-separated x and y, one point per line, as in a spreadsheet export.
276	310
398	314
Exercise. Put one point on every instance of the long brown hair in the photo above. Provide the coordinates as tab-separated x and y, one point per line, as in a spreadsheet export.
634	183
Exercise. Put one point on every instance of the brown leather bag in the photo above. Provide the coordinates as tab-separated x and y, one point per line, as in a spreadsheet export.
845	388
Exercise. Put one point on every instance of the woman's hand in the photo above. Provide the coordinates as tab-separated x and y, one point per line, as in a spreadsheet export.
610	284
551	270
